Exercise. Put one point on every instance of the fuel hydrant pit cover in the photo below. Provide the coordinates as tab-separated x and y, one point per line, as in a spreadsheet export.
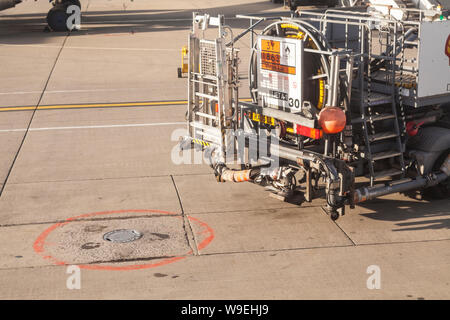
122	235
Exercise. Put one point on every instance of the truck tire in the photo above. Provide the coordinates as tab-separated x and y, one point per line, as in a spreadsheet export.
442	190
431	146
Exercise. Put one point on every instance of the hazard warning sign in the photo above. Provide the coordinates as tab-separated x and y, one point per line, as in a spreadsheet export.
271	57
279	74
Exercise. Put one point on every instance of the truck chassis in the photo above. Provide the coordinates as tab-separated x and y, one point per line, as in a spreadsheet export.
306	73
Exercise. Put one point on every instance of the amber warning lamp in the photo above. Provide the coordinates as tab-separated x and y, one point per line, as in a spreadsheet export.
447	49
332	120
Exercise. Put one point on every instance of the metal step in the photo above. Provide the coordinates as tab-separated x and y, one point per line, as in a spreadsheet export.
382	136
383	76
206	115
376	99
385	155
207	96
382	116
377	117
387	173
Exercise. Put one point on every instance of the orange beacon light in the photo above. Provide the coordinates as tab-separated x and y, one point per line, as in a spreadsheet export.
447	49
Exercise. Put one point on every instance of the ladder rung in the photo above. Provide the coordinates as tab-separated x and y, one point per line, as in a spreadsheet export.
204	76
385	155
387	173
382	136
205	127
204	82
382	116
376	99
205	115
378	117
206	96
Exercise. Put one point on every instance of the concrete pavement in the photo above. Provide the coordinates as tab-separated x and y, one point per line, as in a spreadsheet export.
110	168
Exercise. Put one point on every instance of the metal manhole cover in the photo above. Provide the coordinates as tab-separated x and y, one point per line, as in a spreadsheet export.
122	235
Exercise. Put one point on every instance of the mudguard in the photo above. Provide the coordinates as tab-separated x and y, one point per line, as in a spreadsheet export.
428	145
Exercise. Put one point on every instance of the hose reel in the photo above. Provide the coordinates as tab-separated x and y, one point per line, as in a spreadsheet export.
316	67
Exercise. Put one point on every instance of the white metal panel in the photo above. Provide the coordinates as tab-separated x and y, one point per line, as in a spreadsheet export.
280	72
434	63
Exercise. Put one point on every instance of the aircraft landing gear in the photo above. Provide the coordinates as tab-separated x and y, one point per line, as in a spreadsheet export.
57	16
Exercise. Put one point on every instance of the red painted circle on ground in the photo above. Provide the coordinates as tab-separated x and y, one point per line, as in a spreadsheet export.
39	243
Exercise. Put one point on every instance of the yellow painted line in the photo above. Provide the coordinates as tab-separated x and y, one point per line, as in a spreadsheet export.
97	105
102	105
17	108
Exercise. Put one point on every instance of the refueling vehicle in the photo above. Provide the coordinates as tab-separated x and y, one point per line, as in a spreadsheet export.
349	104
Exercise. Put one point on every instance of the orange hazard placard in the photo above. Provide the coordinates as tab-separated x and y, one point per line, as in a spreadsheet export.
271	57
277	67
270	46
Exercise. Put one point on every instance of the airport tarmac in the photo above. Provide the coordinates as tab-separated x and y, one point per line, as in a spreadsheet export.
86	130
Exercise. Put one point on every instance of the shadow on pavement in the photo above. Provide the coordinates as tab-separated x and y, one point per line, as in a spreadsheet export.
29	28
410	215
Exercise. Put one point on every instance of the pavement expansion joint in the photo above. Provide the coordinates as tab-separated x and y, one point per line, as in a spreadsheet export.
345	233
31	118
110	178
189	233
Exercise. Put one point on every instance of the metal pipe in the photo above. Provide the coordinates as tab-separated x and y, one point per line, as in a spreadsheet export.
235	176
245	32
369	193
287	153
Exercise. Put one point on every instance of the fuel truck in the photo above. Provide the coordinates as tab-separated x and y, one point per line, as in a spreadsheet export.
348	104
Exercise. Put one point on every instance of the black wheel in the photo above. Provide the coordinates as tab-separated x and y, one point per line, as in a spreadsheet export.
180	74
442	190
57	16
75	2
334	215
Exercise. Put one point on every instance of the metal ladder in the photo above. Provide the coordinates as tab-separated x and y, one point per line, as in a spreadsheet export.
212	85
370	100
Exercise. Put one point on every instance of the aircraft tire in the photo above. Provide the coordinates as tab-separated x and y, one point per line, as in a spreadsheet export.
57	16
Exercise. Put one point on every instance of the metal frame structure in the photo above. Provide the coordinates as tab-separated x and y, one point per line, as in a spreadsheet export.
364	67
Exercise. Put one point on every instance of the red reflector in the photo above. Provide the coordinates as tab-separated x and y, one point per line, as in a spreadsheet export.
308	132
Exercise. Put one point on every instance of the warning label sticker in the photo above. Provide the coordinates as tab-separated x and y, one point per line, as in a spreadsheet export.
279	73
277	57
